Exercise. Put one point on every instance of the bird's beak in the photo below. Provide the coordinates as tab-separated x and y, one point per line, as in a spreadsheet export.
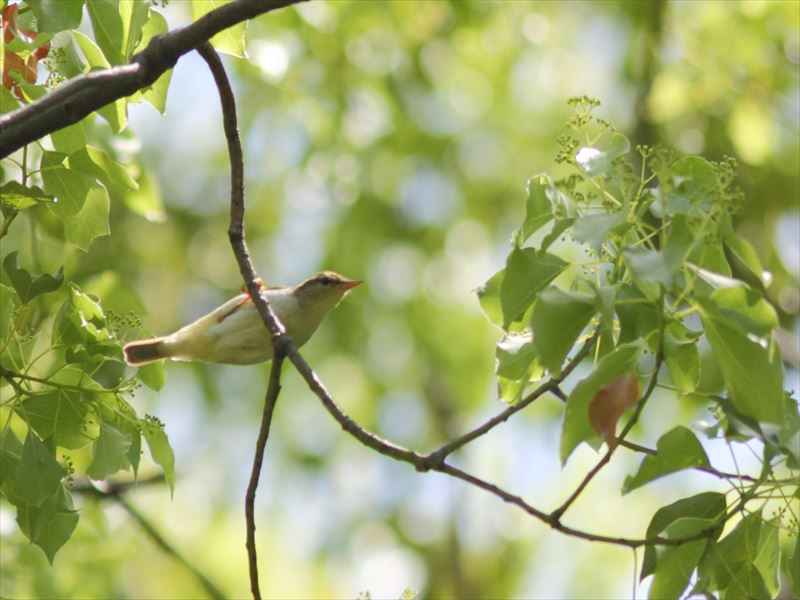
351	283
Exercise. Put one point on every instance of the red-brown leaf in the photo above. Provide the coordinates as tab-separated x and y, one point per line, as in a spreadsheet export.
610	402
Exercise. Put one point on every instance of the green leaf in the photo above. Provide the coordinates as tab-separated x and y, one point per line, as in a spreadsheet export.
516	365
115	114
559	227
638	316
577	428
514	355
708	506
767	558
489	298
794	567
527	273
593	229
115	411
38	472
683	362
69	139
648	265
753	374
747	308
729	564
676	450
57	15
746	254
146	201
8	101
604	300
110	452
695	185
675	567
108	29
558	319
94	161
231	40
160	450
153	375
91	51
134	15
62	414
50	525
10	452
596	161
92	220
156	94
16	196
538	210
69	187
30	286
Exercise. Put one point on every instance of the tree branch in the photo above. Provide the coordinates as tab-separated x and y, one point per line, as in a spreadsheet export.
273	390
281	341
551	385
115	492
557	513
80	96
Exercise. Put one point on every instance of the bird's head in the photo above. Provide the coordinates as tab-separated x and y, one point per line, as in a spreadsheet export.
322	292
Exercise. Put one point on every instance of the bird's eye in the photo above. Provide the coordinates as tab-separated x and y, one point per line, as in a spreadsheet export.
325	280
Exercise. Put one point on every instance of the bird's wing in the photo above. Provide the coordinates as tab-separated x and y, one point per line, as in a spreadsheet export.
230	307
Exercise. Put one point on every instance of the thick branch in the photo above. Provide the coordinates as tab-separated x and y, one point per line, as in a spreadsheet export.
84	94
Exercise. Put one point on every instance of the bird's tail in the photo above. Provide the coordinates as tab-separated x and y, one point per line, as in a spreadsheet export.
145	351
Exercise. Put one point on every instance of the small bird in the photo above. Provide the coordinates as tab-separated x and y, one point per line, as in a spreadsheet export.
234	333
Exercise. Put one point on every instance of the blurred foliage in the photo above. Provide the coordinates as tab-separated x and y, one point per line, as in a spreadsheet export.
389	141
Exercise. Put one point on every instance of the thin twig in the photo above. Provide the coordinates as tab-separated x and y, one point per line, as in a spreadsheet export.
273	390
281	342
558	512
551	385
116	494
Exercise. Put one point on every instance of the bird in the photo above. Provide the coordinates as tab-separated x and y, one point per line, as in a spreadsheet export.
234	332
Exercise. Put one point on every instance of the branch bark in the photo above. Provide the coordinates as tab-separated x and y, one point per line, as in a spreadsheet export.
115	493
273	390
281	341
80	96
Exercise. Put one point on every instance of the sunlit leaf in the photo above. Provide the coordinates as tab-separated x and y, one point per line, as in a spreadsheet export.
30	286
527	273
676	450
558	319
538	209
598	161
38	473
708	506
231	40
683	361
110	452
91	221
160	450
753	373
156	94
16	196
94	161
49	525
57	15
